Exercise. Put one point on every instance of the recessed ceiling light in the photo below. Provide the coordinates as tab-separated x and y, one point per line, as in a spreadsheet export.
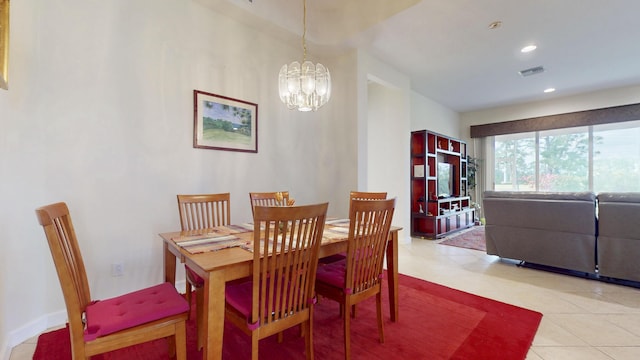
549	90
528	48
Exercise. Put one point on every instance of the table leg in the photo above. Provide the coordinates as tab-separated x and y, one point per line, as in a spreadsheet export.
213	316
392	274
169	265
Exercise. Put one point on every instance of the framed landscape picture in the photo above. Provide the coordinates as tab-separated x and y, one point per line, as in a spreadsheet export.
224	123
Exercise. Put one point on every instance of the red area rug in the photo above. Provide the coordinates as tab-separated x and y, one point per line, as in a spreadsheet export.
469	239
436	322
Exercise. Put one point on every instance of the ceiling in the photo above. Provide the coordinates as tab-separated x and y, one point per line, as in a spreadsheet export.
452	56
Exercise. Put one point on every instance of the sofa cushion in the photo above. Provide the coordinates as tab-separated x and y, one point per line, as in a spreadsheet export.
619	215
553	229
562	212
619	235
619	197
581	196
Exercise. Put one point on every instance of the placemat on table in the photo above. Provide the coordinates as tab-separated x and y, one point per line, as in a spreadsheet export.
219	238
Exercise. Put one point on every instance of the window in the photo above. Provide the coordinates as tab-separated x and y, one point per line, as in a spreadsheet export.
616	157
515	162
564	160
587	158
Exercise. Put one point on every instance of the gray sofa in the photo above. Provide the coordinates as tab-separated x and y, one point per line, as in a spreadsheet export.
619	235
552	229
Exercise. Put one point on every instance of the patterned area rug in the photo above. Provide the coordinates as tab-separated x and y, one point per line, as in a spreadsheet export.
468	239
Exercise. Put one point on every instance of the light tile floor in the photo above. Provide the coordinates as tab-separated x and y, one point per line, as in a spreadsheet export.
583	319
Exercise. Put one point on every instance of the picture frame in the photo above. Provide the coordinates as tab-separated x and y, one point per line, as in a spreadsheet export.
224	123
4	44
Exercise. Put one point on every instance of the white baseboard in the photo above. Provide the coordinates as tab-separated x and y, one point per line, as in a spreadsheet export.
33	328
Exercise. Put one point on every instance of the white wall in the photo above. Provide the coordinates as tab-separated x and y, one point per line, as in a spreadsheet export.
99	114
387	133
383	135
427	114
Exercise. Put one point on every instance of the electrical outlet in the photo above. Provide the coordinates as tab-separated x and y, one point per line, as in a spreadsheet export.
117	269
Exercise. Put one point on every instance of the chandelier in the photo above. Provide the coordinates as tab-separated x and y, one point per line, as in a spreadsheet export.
304	87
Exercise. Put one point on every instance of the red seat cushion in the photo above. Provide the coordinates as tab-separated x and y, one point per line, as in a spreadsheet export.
239	296
194	278
112	315
332	258
333	274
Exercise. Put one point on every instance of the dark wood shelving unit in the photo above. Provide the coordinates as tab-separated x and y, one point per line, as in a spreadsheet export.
440	204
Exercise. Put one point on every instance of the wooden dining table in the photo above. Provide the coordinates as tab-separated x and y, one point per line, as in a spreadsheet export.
223	254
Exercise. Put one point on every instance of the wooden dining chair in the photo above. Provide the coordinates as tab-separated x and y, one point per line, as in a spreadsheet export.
96	327
359	276
269	199
280	294
198	212
354	195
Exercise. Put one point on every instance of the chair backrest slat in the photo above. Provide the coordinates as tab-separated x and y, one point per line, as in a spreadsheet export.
286	244
204	211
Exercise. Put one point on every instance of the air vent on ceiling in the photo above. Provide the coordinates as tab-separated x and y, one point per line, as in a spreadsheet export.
531	71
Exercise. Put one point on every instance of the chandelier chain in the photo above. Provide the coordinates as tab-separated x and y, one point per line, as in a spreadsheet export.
304	31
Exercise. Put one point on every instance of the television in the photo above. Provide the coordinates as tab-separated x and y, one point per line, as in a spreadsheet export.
445	179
